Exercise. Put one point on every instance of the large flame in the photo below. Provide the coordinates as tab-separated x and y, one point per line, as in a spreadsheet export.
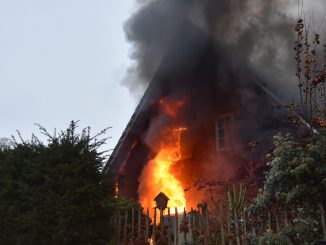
158	175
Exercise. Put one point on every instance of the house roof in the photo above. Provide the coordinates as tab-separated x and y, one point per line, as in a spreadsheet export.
193	42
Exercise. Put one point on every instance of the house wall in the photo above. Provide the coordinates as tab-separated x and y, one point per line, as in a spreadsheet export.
213	84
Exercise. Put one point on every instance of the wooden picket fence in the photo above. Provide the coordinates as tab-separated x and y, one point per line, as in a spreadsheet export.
201	226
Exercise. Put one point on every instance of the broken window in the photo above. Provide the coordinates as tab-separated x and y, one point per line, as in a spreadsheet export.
223	132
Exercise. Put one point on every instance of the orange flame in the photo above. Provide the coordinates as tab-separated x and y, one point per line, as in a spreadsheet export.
171	109
157	175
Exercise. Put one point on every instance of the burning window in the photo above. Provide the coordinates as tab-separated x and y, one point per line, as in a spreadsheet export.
223	132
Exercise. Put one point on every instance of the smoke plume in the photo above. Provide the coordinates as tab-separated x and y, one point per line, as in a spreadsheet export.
260	32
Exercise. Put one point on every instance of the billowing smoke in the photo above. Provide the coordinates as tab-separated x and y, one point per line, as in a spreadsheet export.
260	32
254	33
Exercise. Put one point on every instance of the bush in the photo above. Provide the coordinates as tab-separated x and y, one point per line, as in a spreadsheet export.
54	193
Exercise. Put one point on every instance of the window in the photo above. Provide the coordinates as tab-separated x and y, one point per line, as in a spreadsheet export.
223	132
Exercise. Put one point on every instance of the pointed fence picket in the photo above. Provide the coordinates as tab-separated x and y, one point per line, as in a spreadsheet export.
135	227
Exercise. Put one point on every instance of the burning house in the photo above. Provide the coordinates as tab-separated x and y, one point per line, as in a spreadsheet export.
204	118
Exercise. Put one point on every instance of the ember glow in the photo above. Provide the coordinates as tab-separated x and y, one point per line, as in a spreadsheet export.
157	176
171	109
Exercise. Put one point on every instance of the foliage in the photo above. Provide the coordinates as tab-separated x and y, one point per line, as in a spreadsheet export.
296	178
54	193
311	73
5	143
304	231
296	175
236	200
236	204
122	204
266	239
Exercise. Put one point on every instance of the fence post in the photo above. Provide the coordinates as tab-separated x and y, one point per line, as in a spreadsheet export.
200	221
169	227
244	226
237	228
132	224
277	222
323	223
119	228
176	234
203	215
269	221
184	222
207	223
191	221
154	228
222	226
139	223
262	223
254	222
125	227
147	226
161	222
229	226
286	218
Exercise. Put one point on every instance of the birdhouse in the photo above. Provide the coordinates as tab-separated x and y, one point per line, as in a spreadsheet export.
161	201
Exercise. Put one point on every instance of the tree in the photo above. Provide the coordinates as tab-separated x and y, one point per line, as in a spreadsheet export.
5	143
55	193
295	180
296	174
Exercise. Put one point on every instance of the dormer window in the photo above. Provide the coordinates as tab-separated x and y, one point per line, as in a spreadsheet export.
223	129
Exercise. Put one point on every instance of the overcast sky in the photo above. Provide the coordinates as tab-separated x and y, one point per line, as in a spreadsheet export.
63	60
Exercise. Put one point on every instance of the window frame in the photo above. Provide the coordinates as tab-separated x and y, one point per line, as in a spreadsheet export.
227	127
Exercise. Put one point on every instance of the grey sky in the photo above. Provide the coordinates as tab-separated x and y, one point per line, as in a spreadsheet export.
63	60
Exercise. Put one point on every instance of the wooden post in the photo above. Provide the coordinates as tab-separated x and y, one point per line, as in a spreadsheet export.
191	221
147	226
207	224
184	220
244	226
323	222
154	228
262	224
194	214
119	228
222	226
237	228
277	222
161	222
169	227
254	231
139	223
200	220
203	222
125	227
286	218
229	226
132	224
269	221
176	228
115	225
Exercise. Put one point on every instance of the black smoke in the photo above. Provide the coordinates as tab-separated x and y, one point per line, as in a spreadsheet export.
257	31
